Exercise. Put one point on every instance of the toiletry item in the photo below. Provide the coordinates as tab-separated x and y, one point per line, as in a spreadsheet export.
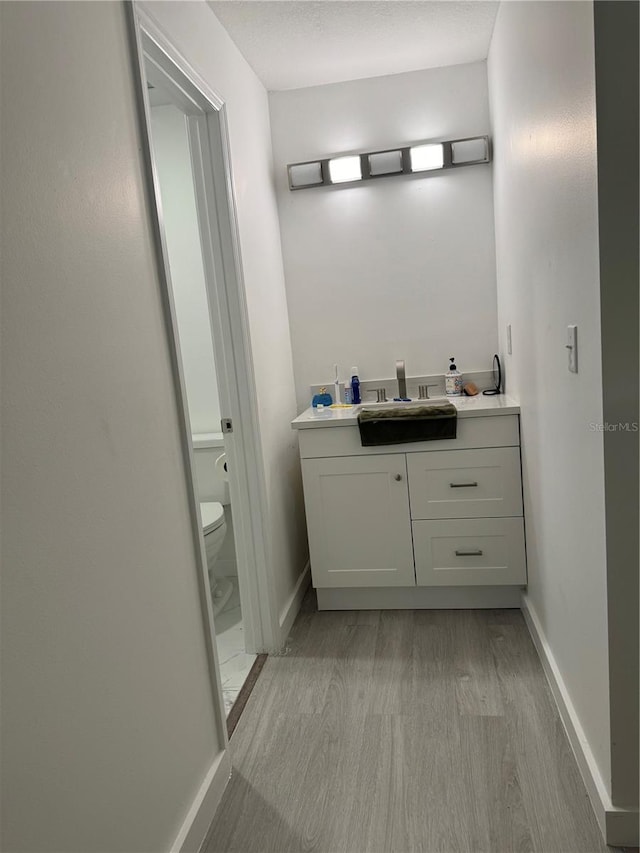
322	399
355	386
470	389
348	395
453	380
336	385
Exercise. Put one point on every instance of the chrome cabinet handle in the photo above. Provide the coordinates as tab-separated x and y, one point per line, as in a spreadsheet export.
462	485
397	477
476	553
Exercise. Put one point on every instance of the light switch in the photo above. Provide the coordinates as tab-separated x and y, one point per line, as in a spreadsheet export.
572	348
509	347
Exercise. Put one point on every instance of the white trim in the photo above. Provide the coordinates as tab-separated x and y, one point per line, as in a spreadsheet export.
419	598
623	828
200	815
619	827
292	606
163	41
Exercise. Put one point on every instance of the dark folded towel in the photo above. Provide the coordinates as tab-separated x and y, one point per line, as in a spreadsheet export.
403	424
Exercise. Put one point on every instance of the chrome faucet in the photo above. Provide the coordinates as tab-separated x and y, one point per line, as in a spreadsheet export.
402	381
381	394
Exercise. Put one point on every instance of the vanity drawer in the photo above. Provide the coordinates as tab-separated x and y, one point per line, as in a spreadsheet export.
469	552
465	483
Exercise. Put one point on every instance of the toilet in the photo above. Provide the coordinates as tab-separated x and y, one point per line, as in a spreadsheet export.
214	527
213	491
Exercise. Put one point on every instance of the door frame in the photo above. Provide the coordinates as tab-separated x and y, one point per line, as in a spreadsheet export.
211	161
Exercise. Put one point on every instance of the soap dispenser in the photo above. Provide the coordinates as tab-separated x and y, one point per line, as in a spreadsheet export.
453	380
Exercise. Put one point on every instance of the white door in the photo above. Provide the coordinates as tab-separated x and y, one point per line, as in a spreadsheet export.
358	521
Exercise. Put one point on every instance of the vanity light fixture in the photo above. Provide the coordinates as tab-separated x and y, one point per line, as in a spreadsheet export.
305	175
344	169
422	159
469	151
385	163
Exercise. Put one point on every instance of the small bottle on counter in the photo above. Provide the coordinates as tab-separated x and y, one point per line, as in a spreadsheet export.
355	386
453	380
322	398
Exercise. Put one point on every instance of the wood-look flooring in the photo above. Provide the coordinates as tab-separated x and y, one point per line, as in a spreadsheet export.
397	731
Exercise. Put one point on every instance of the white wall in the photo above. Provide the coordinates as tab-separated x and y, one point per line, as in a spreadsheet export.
173	162
108	724
617	102
202	40
397	268
541	85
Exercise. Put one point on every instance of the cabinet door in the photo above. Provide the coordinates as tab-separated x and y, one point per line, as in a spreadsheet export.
482	483
358	521
470	552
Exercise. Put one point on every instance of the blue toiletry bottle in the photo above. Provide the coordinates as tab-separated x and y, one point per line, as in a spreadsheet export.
355	386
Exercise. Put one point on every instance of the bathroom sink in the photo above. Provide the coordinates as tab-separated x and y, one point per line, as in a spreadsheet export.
409	404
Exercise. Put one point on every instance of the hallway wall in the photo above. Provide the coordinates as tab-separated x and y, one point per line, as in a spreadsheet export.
542	96
617	100
108	717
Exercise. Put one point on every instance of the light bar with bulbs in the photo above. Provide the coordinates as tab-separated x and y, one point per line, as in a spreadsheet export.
424	158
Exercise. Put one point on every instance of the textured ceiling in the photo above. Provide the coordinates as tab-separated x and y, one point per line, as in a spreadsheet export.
296	43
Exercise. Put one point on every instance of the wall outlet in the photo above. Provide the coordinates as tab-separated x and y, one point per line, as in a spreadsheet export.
572	348
509	347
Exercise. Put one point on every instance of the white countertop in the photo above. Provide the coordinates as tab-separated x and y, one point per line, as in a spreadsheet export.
468	407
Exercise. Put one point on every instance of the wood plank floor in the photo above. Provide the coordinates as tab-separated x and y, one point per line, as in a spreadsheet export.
397	731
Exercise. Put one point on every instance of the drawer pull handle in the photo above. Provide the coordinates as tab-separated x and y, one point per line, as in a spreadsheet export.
476	553
397	477
462	485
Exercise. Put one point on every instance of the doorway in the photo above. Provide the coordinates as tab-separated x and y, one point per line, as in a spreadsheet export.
171	146
199	264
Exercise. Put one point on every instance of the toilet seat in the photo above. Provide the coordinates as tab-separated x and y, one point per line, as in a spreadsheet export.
212	514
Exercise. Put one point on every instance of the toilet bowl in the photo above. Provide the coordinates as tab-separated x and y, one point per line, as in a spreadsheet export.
214	528
213	491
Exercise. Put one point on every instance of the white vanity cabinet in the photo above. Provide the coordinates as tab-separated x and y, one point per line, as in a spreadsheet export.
425	515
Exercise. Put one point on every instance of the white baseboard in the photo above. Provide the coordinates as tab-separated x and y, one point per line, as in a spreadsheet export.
418	597
199	817
619	827
292	606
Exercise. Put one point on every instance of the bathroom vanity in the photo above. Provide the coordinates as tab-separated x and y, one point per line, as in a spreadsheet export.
424	524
